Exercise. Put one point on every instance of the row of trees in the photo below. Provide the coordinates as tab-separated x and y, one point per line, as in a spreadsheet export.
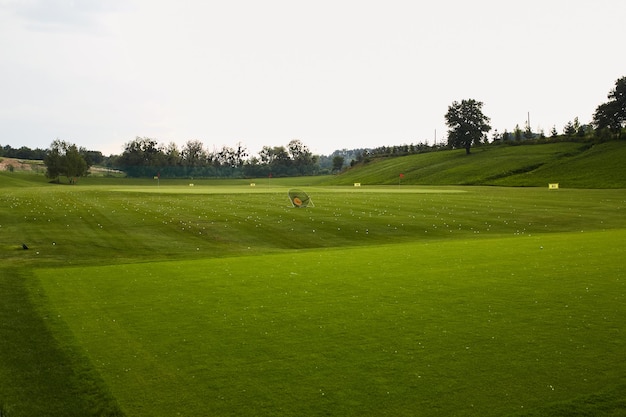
572	129
23	152
146	157
469	126
38	154
143	157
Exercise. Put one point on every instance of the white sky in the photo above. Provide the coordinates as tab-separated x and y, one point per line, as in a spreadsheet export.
332	73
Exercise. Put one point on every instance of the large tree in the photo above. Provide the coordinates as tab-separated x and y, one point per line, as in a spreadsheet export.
338	162
194	154
66	159
467	124
612	114
301	156
142	157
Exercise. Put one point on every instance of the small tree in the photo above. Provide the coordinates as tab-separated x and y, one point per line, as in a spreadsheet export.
553	132
517	133
528	133
338	163
569	129
467	124
64	158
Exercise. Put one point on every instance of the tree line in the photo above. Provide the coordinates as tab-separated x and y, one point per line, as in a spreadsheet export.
468	126
38	154
146	157
23	152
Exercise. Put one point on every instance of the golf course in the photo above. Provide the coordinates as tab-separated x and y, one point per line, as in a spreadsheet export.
420	295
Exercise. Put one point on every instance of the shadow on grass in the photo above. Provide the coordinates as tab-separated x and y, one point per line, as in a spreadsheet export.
39	375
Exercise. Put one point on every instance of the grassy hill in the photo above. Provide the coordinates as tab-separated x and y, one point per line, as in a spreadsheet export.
572	165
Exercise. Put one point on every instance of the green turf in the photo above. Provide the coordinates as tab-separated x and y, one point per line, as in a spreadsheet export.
601	165
41	373
397	330
195	276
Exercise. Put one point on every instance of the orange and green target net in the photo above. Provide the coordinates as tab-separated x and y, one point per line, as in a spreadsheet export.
299	198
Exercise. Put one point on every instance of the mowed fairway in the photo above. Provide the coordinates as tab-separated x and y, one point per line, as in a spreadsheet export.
224	300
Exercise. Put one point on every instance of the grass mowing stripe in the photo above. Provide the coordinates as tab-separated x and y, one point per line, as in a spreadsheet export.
38	372
483	327
91	225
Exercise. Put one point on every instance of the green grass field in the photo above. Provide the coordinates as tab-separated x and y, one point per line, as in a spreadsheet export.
140	299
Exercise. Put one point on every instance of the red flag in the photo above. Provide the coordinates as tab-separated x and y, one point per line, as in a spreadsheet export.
401	175
270	175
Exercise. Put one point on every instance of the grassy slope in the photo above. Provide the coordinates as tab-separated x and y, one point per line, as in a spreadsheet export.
570	164
601	166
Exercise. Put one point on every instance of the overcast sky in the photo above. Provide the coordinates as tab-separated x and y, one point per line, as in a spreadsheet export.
332	73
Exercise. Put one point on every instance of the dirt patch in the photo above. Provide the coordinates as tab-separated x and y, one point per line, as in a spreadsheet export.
6	164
